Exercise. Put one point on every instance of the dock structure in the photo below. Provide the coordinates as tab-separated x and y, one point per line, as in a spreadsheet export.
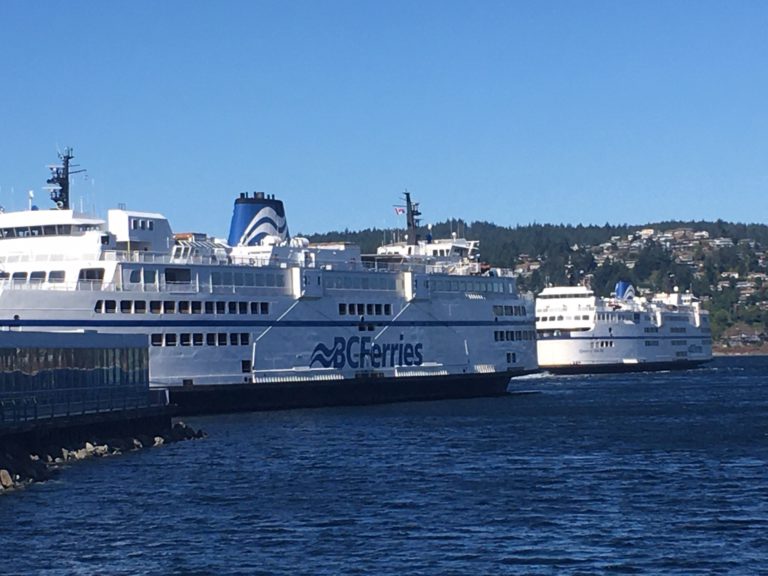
60	389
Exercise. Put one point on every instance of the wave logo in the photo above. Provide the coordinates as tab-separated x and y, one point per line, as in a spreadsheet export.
267	222
362	352
328	357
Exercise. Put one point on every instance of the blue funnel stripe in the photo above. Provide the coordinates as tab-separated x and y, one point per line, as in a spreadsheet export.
263	225
256	217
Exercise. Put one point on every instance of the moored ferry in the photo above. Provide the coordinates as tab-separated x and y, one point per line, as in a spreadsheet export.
263	320
579	332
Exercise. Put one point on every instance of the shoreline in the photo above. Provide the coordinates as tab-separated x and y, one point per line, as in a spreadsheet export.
37	455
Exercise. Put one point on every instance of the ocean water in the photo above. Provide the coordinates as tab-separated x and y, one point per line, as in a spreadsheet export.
639	474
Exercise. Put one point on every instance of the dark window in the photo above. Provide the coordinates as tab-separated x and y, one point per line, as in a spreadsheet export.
170	339
178	275
242	307
264	307
245	366
110	306
98	307
378	309
232	307
184	307
56	276
221	307
245	338
254	307
91	274
196	307
197	339
125	306
369	309
234	339
342	309
156	339
169	306
37	277
185	339
209	307
387	309
140	307
222	339
155	306
210	339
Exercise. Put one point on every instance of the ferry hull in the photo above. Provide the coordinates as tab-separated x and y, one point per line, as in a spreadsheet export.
197	400
623	367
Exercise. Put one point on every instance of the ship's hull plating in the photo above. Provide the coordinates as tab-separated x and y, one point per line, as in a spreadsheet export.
614	368
196	400
219	349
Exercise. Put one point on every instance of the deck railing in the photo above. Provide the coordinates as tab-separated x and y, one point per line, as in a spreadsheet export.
24	407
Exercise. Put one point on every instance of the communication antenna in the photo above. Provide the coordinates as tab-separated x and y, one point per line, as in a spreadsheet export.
59	180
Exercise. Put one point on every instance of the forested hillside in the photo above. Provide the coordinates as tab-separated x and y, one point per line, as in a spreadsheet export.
721	262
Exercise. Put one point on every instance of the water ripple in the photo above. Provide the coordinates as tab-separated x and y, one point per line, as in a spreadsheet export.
625	474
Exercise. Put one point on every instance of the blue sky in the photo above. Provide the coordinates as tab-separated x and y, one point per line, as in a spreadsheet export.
510	112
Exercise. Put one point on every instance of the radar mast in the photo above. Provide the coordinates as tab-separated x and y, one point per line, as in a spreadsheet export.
59	180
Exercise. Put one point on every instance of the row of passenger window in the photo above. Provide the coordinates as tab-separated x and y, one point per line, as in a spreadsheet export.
513	335
476	285
200	339
360	282
499	310
678	330
218	278
365	309
180	307
561	317
38	277
601	344
48	230
651	330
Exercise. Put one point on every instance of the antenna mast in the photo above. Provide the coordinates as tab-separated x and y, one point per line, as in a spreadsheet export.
412	214
59	180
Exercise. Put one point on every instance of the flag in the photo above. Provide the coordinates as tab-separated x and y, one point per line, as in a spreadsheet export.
399	210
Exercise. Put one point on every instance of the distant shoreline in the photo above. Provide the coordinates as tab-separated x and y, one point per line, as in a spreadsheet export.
741	351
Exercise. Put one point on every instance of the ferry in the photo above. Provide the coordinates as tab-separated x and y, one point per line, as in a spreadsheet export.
263	320
579	332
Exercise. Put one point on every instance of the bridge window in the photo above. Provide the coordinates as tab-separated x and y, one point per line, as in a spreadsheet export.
56	276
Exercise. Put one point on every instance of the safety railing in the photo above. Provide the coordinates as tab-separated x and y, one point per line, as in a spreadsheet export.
25	407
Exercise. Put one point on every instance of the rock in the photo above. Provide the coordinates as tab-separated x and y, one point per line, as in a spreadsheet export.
146	441
89	448
5	479
159	441
137	445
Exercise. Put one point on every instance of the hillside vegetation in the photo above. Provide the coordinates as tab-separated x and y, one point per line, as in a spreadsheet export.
721	262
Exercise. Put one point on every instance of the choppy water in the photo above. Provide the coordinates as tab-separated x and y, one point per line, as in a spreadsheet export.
647	473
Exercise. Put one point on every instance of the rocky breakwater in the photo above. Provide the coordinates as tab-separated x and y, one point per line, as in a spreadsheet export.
31	458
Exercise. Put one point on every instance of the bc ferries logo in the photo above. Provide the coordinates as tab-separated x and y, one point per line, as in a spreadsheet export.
360	352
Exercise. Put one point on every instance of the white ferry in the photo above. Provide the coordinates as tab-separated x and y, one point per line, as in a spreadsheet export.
579	332
264	320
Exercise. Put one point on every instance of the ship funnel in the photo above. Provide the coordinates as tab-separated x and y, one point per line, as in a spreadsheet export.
624	290
256	218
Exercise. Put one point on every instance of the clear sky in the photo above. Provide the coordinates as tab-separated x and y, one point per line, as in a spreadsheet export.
505	111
